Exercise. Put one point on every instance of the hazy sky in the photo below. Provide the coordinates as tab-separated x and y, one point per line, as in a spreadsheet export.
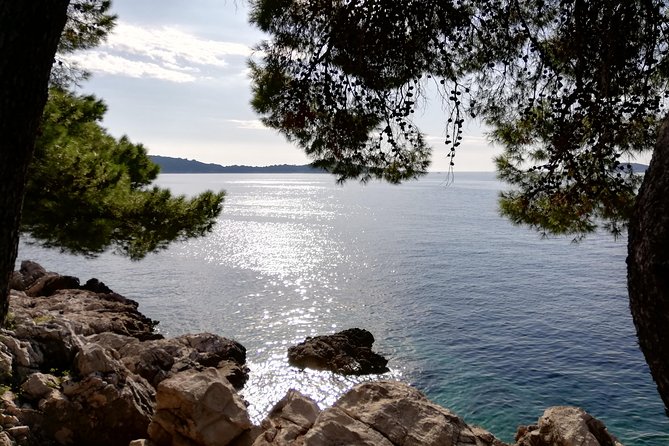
174	76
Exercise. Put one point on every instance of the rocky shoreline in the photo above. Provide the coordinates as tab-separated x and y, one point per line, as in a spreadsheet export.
80	365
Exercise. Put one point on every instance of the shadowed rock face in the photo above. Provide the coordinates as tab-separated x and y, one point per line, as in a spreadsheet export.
348	352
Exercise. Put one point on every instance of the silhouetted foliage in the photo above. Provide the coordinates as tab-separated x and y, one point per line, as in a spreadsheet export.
570	89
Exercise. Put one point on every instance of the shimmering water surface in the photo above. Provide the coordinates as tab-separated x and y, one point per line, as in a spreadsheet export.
486	318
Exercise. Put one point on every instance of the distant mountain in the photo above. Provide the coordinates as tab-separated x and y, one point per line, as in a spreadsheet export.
180	165
636	167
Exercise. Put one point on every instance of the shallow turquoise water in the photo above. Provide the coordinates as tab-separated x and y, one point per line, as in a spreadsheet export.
486	318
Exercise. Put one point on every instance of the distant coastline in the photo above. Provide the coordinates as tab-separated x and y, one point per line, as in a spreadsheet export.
180	165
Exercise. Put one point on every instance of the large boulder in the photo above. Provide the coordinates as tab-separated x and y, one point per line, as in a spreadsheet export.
566	426
27	275
289	420
198	409
348	352
392	413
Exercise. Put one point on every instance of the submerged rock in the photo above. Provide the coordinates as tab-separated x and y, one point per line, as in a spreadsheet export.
348	352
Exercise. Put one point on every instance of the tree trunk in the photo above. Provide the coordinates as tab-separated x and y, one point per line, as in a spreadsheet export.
29	34
648	265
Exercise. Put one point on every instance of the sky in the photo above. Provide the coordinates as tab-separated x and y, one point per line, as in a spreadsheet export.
174	76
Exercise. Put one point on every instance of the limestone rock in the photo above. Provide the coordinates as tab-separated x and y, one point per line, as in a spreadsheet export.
335	427
397	413
29	273
50	283
566	426
85	312
38	385
100	409
288	420
157	360
197	408
348	352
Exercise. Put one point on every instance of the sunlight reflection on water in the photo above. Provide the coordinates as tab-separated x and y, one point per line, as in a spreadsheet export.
270	380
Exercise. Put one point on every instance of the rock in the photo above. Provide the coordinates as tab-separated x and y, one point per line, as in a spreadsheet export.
141	442
288	420
93	358
392	413
157	360
96	286
348	352
199	409
6	364
30	272
566	426
38	385
100	409
16	282
50	283
83	312
5	440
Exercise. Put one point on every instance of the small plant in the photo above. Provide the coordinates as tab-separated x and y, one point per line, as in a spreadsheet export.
43	319
10	321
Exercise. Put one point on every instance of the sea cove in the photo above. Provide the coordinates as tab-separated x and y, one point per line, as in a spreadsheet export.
486	318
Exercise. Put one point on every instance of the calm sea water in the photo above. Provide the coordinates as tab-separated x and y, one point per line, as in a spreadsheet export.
486	318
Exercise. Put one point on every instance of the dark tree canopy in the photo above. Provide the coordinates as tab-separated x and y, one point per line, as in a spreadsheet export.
570	90
88	192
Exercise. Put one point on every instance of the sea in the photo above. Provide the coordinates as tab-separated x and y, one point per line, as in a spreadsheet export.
491	320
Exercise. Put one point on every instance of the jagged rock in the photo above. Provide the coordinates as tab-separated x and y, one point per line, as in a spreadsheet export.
16	282
39	385
96	286
348	352
101	409
5	440
566	426
392	413
28	274
288	420
160	359
84	312
6	363
50	283
199	409
335	427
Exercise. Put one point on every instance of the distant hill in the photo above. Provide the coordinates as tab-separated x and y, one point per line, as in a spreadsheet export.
636	167
180	165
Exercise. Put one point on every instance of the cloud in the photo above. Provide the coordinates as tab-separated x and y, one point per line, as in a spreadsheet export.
165	53
250	124
100	62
